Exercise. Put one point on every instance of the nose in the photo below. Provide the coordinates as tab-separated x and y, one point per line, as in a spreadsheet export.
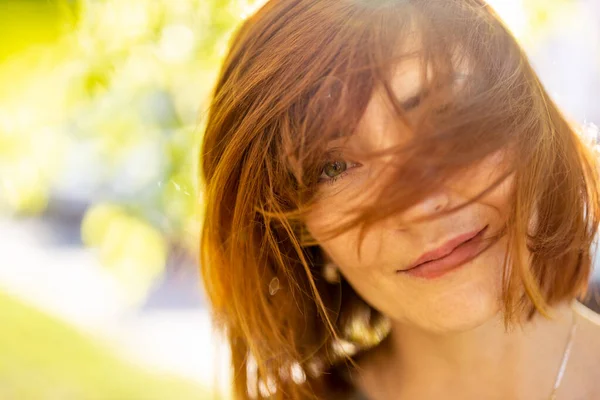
432	204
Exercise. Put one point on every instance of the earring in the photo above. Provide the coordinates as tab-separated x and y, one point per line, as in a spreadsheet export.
331	273
365	330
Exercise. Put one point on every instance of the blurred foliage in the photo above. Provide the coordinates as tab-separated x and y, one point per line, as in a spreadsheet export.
129	246
43	358
543	15
24	23
100	104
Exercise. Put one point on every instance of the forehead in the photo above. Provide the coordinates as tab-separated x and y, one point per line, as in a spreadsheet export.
379	127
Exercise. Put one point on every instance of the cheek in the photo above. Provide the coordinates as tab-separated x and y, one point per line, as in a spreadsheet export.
343	250
478	178
335	207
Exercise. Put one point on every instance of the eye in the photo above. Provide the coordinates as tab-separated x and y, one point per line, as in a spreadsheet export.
335	169
412	102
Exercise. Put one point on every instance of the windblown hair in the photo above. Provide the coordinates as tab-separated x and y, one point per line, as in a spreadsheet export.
300	73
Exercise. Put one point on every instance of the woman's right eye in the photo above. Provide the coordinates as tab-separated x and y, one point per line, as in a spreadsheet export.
335	169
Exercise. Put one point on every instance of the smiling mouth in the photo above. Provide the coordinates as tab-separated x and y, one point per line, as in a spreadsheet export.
458	256
455	247
446	248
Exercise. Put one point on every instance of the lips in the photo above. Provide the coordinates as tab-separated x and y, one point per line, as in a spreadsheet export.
460	256
446	248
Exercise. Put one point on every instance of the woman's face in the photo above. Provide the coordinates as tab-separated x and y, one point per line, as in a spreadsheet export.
457	300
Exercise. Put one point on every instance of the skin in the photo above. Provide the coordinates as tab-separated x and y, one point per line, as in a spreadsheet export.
446	331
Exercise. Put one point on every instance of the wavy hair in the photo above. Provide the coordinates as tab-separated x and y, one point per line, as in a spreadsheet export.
300	73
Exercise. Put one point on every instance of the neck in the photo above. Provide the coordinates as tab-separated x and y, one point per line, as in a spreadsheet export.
484	362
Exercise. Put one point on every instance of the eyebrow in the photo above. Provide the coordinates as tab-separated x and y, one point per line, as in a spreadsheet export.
415	100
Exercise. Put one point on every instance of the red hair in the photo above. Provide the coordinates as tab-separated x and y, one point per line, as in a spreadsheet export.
301	72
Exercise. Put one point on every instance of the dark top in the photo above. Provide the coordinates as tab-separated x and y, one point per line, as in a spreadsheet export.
359	396
340	377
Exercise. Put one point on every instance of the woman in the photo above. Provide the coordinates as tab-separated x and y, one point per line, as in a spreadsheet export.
396	209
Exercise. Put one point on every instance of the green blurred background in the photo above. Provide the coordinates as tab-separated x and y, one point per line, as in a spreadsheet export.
101	111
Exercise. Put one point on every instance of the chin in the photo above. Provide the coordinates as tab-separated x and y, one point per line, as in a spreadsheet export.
461	314
460	302
465	303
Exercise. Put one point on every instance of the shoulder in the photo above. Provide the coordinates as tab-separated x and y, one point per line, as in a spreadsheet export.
588	325
588	349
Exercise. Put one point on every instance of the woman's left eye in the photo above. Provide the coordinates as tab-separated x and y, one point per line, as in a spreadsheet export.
336	169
